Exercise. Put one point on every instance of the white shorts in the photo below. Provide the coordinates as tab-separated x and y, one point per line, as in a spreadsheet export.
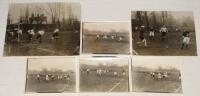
186	40
19	32
151	33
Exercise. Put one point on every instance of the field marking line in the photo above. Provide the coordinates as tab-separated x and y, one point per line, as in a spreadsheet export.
48	50
115	85
178	89
135	52
64	88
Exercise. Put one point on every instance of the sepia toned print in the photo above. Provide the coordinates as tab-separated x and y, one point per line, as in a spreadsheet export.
156	75
43	29
104	75
106	38
48	75
170	33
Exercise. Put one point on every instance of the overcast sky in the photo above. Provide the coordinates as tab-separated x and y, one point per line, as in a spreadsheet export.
182	14
105	61
17	9
157	62
107	26
64	64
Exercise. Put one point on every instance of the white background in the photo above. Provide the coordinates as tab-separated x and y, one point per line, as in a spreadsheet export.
12	70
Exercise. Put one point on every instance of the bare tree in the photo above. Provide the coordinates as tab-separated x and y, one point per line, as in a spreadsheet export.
139	18
164	17
154	20
27	15
9	19
146	20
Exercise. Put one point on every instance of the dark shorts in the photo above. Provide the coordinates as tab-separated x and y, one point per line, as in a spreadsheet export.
30	36
39	36
163	34
55	34
141	37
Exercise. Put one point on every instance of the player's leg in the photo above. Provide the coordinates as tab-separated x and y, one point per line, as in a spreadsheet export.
145	42
56	36
40	38
150	34
182	45
187	42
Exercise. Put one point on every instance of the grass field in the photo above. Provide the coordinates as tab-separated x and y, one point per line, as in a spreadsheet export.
92	45
172	46
105	83
65	45
57	86
143	82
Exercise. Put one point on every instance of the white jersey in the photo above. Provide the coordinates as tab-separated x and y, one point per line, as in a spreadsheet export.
11	33
19	32
115	73
186	40
163	29
56	30
32	32
29	31
47	77
41	32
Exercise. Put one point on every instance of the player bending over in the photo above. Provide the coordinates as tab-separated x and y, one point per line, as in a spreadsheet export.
55	34
39	35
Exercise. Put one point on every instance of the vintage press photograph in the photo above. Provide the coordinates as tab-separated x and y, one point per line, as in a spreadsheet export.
106	38
43	29
104	74
158	75
169	33
47	75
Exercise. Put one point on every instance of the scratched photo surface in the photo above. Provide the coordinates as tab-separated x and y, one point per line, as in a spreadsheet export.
43	29
168	33
106	38
156	75
104	75
51	75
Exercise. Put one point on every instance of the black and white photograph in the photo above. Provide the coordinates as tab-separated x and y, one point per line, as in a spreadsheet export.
106	38
168	33
100	74
157	75
47	75
43	29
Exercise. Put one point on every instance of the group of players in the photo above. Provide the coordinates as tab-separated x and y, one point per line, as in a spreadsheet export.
50	77
100	72
162	75
163	35
109	37
17	35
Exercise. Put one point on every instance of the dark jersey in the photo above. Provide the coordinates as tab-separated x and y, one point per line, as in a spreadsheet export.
185	34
